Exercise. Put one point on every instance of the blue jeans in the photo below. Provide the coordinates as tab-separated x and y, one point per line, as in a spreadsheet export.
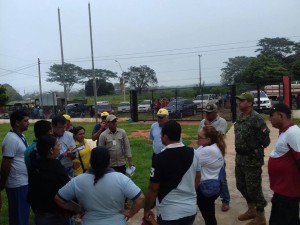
18	207
189	220
224	195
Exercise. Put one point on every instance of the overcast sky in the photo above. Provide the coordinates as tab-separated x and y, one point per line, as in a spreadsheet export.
166	35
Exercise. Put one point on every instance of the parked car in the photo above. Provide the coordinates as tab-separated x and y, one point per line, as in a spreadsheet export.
76	110
145	106
123	107
181	107
202	100
104	107
265	102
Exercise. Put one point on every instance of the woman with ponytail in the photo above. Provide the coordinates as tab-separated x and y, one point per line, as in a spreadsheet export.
211	157
101	193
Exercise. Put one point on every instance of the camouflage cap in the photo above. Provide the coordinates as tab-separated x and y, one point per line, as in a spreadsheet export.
111	118
211	107
246	96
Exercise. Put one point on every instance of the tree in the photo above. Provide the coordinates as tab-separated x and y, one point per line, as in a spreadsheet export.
12	94
296	69
234	69
103	87
87	74
3	95
72	74
264	69
141	77
279	48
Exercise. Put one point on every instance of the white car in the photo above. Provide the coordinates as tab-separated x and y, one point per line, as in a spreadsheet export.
265	102
145	106
202	100
123	107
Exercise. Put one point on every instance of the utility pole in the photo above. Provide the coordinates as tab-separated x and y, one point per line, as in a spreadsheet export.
123	78
200	83
93	68
40	84
62	62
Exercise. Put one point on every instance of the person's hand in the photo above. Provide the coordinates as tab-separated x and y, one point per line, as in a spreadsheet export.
149	216
207	123
130	164
103	124
127	214
69	153
76	165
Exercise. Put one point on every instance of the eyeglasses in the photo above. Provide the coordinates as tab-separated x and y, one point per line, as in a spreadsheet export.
160	117
201	138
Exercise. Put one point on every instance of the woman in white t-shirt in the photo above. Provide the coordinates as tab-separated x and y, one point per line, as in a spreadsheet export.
211	157
101	193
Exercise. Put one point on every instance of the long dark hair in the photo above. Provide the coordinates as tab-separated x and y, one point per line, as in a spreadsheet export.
99	162
76	130
45	144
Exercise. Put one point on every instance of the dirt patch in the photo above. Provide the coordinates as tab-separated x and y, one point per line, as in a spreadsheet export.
140	133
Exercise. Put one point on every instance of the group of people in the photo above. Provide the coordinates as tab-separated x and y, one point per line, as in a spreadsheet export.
60	176
171	173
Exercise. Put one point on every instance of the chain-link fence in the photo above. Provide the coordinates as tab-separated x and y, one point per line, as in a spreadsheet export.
185	104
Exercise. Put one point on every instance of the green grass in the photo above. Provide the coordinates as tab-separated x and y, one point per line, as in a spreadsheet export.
141	151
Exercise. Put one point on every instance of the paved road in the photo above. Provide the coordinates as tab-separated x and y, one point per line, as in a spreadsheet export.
238	204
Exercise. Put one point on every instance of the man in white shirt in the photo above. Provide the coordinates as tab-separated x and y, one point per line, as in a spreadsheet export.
13	169
66	141
174	177
155	131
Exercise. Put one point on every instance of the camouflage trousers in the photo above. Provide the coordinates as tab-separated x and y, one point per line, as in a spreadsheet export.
248	182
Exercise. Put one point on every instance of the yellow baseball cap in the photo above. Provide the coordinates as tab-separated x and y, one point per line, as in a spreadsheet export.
104	114
162	112
67	117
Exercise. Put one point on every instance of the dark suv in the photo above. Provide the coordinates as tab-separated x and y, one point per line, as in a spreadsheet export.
76	110
181	107
104	107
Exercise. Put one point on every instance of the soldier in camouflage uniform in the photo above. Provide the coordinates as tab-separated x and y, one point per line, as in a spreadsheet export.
251	137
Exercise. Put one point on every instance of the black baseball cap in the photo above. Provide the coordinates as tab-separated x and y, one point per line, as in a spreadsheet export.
280	107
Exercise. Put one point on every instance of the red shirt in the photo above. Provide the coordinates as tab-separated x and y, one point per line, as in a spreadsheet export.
283	172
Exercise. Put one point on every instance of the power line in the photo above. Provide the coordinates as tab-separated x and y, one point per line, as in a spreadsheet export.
11	71
158	55
82	59
17	69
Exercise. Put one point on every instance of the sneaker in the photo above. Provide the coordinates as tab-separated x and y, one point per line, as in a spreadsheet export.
225	207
